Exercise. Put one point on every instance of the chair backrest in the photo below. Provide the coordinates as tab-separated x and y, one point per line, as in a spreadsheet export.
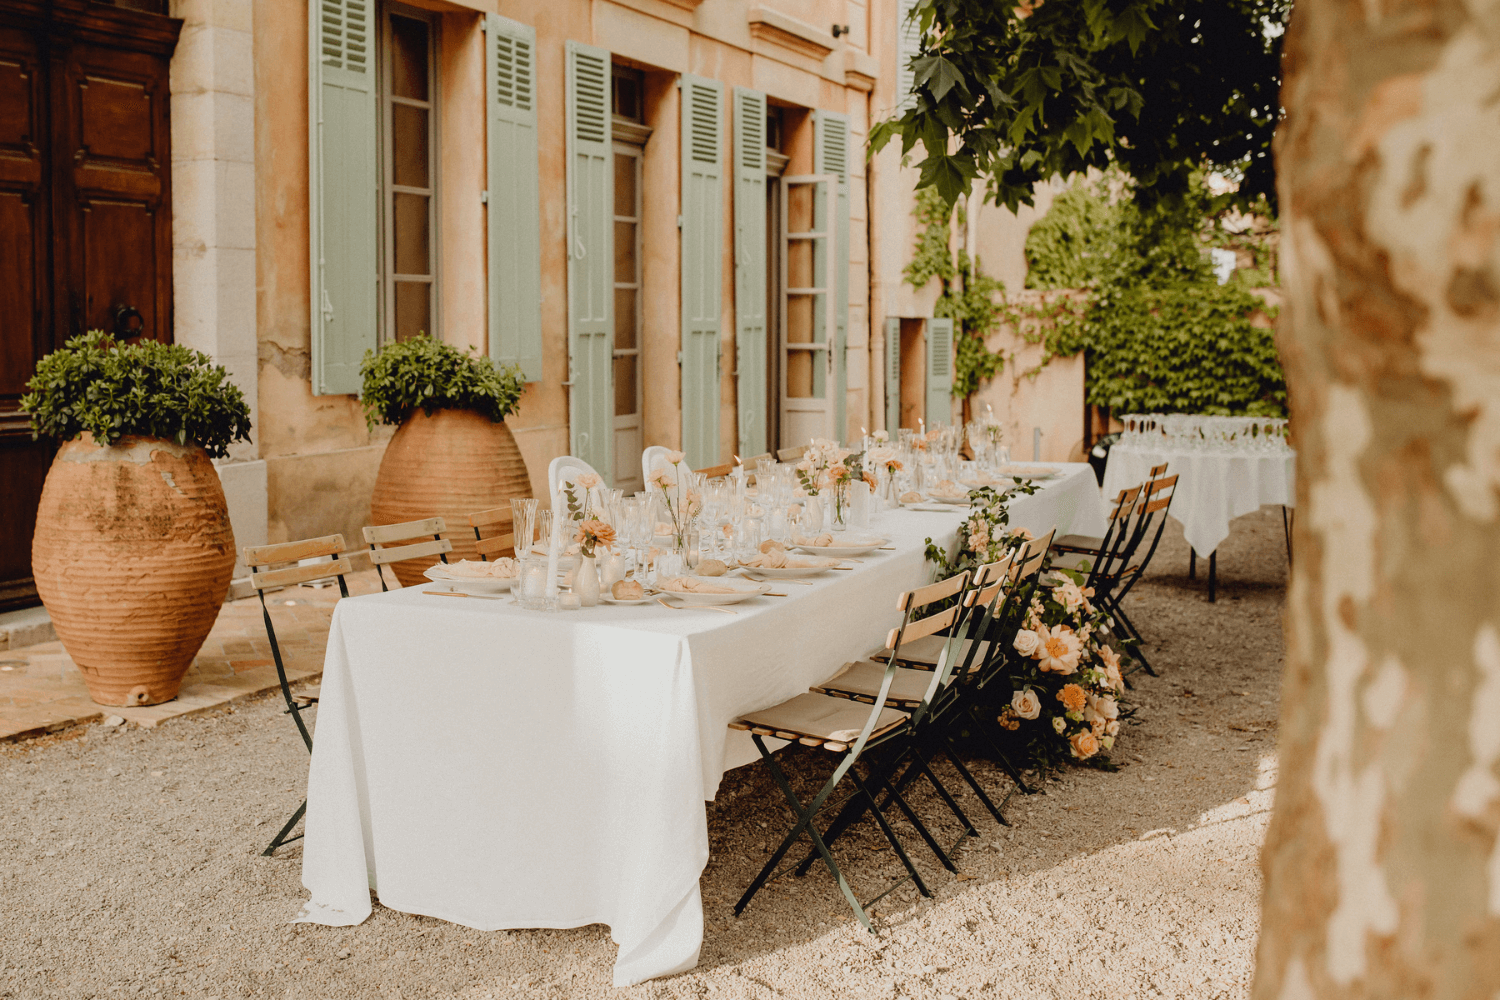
716	471
380	538
565	469
1009	611
653	458
496	519
1156	501
791	454
750	462
1117	542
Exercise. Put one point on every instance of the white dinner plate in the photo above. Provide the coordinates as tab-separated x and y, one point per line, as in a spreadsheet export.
744	590
962	501
469	584
852	548
792	572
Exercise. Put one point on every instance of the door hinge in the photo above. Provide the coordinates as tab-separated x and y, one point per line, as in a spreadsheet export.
679	358
679	222
484	197
484	24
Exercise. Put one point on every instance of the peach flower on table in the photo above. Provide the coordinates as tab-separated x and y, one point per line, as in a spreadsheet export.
661	479
675	457
588	480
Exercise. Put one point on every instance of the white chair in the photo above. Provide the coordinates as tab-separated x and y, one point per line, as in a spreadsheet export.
653	458
565	469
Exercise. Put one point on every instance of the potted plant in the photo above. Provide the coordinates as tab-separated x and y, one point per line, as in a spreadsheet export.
133	550
452	454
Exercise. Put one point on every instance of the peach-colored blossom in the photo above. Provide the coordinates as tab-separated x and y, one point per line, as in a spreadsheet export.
1072	697
1060	650
1084	743
1026	704
661	479
675	457
1027	642
588	480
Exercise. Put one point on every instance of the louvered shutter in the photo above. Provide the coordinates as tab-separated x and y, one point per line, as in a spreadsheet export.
831	156
939	371
908	43
515	274
590	256
750	266
342	191
892	374
702	257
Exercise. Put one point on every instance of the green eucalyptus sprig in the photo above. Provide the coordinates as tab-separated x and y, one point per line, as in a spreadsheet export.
148	389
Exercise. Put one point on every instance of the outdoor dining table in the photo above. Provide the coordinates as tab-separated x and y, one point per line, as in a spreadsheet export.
504	768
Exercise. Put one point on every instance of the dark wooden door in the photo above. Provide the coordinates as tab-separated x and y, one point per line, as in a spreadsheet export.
85	214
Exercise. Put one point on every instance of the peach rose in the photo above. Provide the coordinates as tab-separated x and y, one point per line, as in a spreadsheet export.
1072	697
1059	651
675	457
1107	707
1084	743
1027	642
1026	704
588	480
1111	728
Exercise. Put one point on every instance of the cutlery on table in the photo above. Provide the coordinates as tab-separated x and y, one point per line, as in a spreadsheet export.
697	607
459	593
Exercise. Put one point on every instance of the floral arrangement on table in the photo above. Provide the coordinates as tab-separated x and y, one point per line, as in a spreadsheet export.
582	493
593	535
822	465
1066	680
683	503
883	457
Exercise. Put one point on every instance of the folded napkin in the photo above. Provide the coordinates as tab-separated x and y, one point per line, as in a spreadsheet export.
501	568
819	541
694	585
779	559
948	488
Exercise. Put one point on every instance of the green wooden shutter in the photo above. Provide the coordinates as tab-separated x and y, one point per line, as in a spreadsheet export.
892	374
342	191
939	371
831	156
702	257
515	274
750	266
908	44
591	287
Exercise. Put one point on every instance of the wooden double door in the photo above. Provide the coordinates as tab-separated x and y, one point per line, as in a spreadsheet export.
85	214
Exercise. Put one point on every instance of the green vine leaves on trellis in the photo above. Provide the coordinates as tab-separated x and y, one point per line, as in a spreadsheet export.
971	298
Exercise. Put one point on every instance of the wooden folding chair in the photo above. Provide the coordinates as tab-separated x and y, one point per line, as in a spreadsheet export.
847	728
494	519
1091	545
1077	552
791	454
378	536
258	558
716	471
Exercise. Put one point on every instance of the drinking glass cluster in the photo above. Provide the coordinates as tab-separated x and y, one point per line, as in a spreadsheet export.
1205	433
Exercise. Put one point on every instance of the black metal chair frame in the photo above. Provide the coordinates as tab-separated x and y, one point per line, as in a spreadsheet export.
1113	579
276	579
863	798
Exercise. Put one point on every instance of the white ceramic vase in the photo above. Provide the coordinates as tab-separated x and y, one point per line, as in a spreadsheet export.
586	582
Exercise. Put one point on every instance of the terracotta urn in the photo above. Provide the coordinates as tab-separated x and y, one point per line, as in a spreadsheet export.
132	557
449	465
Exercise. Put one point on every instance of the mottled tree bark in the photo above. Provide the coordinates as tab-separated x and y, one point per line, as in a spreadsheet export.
1382	864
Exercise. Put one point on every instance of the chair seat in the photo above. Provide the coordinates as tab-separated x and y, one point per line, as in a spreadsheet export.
820	718
1078	543
924	652
1073	561
863	680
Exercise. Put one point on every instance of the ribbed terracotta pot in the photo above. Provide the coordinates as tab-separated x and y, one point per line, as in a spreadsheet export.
132	557
449	465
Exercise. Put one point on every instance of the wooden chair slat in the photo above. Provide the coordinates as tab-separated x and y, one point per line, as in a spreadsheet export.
791	454
923	627
498	545
431	547
933	592
379	534
290	552
294	575
716	471
495	515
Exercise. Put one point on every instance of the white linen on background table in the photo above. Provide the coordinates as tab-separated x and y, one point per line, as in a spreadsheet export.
1213	488
498	767
1072	503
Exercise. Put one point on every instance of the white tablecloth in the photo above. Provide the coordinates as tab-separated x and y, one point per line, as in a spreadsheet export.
504	768
1213	488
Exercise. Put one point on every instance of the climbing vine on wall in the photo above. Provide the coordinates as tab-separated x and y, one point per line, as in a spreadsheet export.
1158	330
969	296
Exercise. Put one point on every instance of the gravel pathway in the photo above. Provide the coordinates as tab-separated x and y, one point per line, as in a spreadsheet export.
129	860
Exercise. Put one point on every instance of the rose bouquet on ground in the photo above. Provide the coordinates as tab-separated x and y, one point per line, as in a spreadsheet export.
1066	680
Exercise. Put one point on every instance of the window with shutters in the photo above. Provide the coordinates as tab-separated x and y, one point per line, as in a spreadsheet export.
408	105
630	133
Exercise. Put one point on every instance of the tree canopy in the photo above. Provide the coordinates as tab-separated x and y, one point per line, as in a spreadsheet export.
1162	88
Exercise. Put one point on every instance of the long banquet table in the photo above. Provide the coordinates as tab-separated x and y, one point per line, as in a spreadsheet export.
504	768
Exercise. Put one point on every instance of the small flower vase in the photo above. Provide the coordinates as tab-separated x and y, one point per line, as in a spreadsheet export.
812	516
839	513
586	582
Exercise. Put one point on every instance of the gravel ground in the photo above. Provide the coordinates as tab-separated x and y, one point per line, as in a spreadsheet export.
131	858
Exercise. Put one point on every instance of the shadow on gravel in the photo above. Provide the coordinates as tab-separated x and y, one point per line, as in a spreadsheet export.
1195	744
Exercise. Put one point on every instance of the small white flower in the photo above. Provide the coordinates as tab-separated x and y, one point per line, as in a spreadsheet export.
1058	724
